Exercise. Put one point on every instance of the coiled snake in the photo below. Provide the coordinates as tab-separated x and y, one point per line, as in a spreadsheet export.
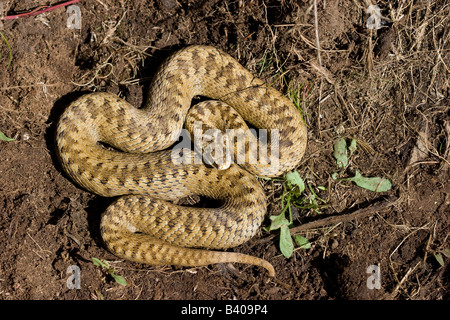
112	148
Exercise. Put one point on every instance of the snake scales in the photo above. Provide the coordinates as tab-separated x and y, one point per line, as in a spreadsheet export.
111	148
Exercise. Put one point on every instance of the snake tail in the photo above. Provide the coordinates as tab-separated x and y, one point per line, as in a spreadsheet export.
144	248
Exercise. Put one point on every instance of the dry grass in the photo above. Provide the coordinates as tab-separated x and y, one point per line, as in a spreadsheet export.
401	82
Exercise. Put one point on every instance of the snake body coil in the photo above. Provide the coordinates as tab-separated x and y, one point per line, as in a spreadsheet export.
143	224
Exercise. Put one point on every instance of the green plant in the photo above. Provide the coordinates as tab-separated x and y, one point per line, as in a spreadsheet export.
9	48
5	138
105	265
294	92
342	154
438	255
265	61
293	188
376	184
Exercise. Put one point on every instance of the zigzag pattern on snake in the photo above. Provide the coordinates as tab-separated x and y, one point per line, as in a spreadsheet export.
143	224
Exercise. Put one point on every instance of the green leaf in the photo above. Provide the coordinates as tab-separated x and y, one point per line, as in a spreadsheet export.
278	221
294	179
439	258
104	264
286	244
99	263
375	184
119	279
446	252
340	153
352	147
5	138
302	242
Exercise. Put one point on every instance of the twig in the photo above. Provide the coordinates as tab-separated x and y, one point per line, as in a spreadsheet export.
360	213
111	31
344	103
316	24
399	285
39	10
32	85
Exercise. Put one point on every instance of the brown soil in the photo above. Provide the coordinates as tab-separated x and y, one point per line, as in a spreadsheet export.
387	88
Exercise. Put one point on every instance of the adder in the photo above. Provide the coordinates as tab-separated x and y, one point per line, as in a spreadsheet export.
114	149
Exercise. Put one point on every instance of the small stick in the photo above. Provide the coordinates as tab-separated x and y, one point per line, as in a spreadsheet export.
316	24
399	285
360	213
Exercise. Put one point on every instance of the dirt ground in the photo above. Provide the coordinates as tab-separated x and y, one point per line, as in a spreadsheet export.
388	88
